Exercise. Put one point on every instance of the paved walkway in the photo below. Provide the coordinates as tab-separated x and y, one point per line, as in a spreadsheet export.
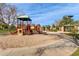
63	47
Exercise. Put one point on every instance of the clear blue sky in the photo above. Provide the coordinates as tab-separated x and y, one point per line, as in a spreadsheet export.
48	13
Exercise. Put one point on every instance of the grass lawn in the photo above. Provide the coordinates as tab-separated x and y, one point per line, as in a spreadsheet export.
3	31
76	53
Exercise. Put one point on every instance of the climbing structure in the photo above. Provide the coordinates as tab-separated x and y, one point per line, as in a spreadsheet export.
24	25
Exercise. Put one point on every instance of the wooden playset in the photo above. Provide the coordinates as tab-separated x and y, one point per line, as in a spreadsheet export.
24	26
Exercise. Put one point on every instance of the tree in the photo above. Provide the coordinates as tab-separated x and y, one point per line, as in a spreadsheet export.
76	22
2	5
75	33
7	15
13	11
48	27
67	20
43	28
75	36
10	13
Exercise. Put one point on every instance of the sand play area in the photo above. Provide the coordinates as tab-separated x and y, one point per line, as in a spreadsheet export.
15	41
35	45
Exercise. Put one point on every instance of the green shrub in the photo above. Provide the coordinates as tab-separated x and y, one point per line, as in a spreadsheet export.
12	28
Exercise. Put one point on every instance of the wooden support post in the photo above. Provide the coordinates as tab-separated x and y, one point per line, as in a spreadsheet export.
62	28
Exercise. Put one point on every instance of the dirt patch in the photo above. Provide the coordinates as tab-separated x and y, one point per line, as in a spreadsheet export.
15	41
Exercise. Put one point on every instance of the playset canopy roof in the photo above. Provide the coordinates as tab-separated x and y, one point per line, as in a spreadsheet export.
24	18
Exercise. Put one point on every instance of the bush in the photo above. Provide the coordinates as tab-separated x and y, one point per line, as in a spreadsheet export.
12	28
54	29
3	26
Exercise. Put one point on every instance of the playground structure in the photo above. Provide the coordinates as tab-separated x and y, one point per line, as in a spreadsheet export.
24	26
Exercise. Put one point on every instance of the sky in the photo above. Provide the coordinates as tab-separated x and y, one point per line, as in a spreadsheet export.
48	13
